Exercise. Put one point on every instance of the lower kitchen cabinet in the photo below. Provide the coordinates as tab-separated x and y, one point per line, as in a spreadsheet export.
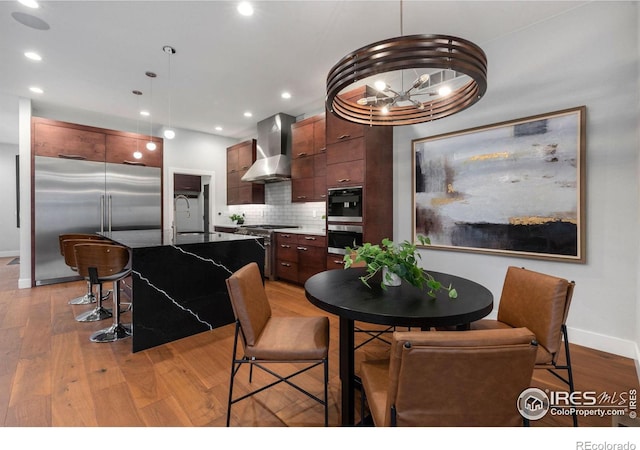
300	256
335	261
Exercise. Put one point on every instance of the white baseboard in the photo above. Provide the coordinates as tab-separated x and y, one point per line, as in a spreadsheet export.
24	283
10	254
620	347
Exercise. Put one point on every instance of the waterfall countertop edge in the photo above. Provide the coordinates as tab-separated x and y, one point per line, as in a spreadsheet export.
159	238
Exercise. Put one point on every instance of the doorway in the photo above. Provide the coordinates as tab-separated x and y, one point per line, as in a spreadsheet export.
189	199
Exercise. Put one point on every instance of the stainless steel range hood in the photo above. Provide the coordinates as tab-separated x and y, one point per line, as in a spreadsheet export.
273	160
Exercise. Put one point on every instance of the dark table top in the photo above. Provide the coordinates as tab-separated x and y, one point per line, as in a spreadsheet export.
159	238
342	293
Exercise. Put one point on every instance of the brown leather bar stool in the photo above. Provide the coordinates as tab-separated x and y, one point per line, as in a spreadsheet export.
99	312
70	259
102	263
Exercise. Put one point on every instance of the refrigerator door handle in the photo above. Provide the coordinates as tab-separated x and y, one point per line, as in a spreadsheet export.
102	214
109	211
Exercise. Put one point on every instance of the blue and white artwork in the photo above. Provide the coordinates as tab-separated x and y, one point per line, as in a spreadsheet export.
512	187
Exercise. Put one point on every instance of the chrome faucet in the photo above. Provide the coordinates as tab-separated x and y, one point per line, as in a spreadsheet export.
174	225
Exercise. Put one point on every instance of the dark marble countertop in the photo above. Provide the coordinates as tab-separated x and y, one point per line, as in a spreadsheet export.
159	238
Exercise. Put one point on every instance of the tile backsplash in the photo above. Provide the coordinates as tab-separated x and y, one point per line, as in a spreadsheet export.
278	209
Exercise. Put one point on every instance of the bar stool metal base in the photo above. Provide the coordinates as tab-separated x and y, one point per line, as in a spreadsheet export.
86	299
113	333
94	315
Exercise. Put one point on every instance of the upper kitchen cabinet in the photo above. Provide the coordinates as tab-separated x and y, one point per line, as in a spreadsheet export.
66	140
240	157
121	147
73	141
308	163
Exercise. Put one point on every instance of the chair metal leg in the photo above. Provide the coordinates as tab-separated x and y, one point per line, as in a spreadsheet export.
86	299
118	330
98	313
567	367
326	392
233	371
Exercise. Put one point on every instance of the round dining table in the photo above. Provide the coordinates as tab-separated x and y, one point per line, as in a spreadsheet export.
341	292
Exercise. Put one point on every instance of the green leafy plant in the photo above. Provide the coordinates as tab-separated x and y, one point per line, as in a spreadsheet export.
400	259
239	219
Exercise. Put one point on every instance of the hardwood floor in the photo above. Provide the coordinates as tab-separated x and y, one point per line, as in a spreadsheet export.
51	375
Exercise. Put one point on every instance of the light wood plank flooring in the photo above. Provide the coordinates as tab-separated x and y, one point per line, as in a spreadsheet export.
51	375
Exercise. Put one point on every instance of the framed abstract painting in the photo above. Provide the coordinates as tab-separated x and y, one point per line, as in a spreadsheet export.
511	188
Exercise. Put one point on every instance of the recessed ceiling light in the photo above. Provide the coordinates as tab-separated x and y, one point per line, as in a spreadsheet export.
29	3
33	55
245	8
218	128
145	113
285	95
248	114
36	90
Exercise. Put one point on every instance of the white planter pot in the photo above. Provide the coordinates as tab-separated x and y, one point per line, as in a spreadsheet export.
390	278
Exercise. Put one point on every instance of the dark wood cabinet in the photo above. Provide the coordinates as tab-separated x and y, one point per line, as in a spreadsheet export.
360	155
185	182
308	163
240	157
300	256
120	150
58	139
66	140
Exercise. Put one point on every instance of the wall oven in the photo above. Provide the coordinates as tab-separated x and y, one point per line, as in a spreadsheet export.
344	204
339	237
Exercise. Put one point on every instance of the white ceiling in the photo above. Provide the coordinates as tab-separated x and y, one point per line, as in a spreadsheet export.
96	52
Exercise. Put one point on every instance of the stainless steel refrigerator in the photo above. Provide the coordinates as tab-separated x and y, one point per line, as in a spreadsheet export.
78	196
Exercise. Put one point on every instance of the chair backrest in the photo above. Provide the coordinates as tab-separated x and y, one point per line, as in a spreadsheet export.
249	301
68	251
110	260
537	301
459	378
67	236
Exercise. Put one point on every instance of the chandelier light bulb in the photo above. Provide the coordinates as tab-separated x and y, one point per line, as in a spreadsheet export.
245	8
380	85
444	91
385	109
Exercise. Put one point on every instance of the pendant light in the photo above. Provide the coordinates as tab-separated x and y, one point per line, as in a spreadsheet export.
151	146
431	57
137	154
169	133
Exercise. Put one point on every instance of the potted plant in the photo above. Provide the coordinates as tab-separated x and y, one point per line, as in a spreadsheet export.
395	260
237	218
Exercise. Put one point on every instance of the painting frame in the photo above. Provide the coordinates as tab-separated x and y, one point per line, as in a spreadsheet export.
513	188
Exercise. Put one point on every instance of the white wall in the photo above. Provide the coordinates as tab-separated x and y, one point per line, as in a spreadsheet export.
586	57
9	231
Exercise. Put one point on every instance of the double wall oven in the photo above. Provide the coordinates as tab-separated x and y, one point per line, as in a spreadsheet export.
344	219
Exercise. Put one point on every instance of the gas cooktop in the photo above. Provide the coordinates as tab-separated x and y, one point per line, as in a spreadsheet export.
268	227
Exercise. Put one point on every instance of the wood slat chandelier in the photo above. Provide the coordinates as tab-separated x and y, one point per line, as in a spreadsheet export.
440	58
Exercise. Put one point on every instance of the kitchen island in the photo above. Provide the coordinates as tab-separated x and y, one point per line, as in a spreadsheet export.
179	284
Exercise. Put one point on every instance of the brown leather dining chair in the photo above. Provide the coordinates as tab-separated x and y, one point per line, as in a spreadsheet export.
450	378
541	303
268	339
